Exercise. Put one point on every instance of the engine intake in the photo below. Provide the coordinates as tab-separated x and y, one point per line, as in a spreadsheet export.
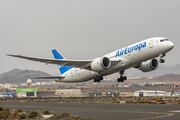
149	65
100	64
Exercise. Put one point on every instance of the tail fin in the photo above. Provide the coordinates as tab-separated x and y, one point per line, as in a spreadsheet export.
57	55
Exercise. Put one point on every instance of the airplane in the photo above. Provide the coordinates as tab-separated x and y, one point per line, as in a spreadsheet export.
141	55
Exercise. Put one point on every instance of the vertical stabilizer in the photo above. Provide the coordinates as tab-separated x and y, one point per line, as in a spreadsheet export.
57	55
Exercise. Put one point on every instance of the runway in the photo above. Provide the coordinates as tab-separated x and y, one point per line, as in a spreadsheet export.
102	111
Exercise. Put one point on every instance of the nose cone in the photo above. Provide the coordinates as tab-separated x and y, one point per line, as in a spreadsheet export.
170	45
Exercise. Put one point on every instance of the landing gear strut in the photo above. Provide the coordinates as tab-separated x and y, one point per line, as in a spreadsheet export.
122	78
161	56
98	78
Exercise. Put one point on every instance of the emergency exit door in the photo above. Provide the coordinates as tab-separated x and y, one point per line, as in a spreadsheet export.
151	43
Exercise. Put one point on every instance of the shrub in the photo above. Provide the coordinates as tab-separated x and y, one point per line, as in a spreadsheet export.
77	117
1	109
19	110
22	115
46	112
32	114
162	102
14	114
4	114
6	109
54	117
65	115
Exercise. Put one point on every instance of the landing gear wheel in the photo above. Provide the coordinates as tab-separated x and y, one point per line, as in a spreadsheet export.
161	60
122	78
98	78
161	56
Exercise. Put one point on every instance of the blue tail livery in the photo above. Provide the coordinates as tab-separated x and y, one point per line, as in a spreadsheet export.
57	55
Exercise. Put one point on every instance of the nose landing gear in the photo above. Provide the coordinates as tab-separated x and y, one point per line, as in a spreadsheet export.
161	60
122	78
161	56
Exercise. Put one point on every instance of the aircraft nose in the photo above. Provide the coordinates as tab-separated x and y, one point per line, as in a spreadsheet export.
170	45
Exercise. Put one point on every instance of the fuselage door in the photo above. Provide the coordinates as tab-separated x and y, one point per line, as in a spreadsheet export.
151	43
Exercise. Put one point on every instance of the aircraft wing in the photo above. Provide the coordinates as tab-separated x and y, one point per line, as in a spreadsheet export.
73	63
84	64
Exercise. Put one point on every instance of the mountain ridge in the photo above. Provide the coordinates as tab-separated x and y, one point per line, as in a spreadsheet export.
21	76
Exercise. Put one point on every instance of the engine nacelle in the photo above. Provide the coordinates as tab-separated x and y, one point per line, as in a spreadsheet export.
100	64
149	65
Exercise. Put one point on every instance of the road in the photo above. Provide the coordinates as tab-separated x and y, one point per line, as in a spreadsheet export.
102	111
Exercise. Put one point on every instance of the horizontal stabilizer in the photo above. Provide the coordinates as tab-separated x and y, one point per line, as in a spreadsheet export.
54	77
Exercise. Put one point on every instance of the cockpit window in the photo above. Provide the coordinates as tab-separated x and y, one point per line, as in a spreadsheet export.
163	40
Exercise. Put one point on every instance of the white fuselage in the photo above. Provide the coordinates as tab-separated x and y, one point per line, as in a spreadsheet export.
130	56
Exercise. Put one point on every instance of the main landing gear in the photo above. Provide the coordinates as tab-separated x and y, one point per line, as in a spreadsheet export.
98	78
122	78
161	56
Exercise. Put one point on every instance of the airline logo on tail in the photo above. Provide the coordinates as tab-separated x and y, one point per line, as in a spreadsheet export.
57	55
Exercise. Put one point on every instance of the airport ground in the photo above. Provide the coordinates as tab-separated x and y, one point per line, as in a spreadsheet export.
99	111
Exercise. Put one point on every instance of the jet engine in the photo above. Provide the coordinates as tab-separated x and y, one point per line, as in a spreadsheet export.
100	64
149	65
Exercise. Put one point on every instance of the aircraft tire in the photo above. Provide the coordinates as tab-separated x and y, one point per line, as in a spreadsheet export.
124	78
161	60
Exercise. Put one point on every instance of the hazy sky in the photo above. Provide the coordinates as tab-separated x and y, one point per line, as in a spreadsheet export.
82	29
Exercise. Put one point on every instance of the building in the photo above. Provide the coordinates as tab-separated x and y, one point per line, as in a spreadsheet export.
9	94
27	92
45	93
95	94
107	94
34	92
79	87
112	94
124	94
141	93
123	84
157	83
68	92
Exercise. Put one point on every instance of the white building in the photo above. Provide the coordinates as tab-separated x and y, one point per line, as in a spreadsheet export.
157	83
124	84
141	93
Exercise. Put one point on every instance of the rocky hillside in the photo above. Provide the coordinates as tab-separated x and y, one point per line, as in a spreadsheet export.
168	78
21	76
